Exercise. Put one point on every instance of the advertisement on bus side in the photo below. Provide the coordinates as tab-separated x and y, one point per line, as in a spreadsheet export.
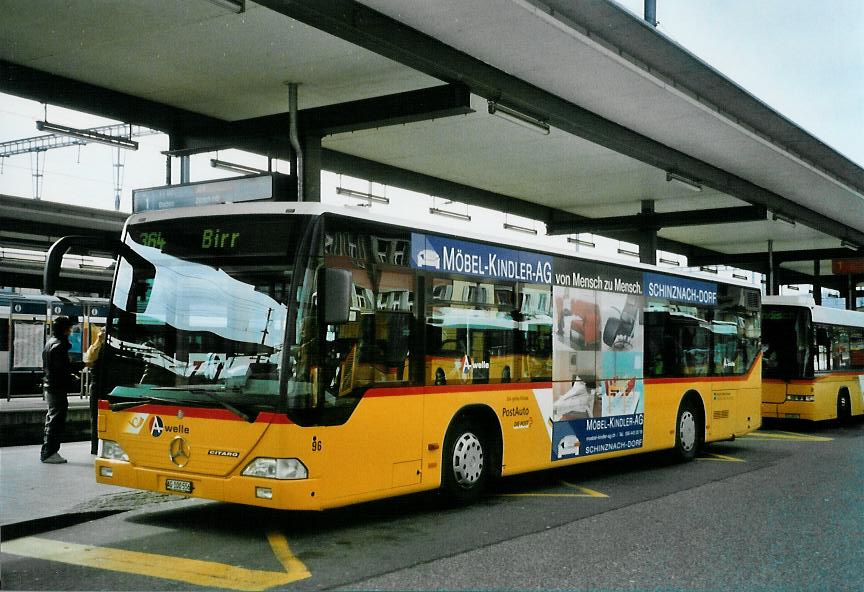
598	340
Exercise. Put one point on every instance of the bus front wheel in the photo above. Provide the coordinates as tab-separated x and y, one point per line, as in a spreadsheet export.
466	462
687	426
844	407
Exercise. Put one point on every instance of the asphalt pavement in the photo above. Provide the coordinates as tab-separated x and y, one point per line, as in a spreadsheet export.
777	510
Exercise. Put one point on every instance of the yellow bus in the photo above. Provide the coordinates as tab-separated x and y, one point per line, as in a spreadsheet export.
813	366
287	354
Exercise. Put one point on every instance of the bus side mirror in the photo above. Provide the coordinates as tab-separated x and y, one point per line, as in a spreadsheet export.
334	295
51	274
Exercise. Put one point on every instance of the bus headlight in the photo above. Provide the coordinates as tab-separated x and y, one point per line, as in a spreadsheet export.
806	398
276	468
112	451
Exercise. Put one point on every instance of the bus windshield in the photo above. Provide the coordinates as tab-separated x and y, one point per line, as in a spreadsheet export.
200	310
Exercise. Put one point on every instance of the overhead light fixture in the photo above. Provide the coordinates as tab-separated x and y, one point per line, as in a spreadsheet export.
513	116
669	261
361	195
739	276
848	245
683	181
627	252
234	167
581	242
781	218
237	6
449	214
708	269
515	228
88	135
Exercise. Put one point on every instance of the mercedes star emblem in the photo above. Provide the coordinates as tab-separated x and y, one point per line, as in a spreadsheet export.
179	451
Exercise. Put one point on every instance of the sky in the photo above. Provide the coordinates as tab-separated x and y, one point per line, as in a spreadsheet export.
805	59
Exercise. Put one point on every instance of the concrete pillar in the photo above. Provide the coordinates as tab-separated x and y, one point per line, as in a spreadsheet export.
185	168
648	237
817	282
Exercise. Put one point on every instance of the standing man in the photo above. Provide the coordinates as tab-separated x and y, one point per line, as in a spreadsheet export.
58	380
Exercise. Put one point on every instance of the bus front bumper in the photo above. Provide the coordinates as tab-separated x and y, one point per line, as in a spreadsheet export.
804	410
283	494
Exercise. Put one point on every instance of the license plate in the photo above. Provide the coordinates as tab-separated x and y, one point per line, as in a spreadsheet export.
178	485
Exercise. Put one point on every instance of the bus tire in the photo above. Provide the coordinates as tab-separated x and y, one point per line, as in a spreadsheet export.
844	407
688	437
466	465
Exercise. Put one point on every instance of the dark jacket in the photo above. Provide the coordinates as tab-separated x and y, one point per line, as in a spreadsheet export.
57	365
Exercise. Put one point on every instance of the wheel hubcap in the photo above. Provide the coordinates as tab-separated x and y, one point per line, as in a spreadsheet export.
467	460
687	431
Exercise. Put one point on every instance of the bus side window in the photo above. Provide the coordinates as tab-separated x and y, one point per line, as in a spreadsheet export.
822	362
534	318
470	333
391	337
856	348
840	348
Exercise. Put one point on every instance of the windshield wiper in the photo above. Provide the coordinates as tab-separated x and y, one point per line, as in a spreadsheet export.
142	401
191	388
208	391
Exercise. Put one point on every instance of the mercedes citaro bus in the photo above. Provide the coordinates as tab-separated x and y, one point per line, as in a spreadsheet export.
813	366
304	356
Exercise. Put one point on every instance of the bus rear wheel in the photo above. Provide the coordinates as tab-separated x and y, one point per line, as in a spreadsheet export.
687	427
466	463
844	408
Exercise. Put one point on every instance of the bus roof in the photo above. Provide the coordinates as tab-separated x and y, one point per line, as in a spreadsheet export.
420	225
820	314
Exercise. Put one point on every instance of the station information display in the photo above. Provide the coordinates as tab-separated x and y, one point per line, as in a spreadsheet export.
269	186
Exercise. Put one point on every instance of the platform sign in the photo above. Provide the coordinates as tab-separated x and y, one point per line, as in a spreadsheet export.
28	339
240	189
847	266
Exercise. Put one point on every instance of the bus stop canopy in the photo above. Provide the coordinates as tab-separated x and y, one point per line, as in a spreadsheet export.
645	141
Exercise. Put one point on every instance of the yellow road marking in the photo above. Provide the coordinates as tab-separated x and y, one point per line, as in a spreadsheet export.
584	492
190	571
760	435
720	457
283	553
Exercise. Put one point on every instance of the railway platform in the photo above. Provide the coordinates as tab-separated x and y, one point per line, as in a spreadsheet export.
22	419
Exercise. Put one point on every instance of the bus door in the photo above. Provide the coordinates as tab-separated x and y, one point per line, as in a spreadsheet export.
786	351
726	361
374	358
